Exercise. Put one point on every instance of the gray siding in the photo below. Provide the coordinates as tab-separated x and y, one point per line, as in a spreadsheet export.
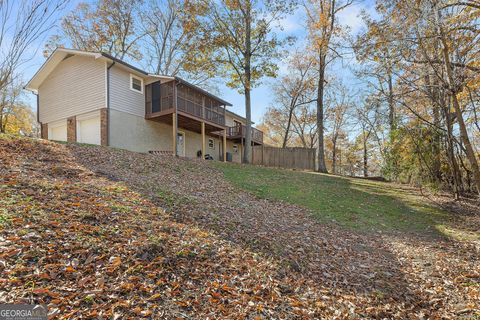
122	98
229	120
76	86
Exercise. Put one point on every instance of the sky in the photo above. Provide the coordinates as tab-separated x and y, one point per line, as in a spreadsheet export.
294	25
262	98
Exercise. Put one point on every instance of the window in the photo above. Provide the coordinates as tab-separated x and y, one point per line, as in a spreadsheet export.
136	83
235	148
211	143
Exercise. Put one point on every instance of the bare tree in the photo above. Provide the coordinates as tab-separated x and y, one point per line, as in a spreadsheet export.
172	44
165	36
323	27
305	125
246	47
23	24
368	119
339	103
293	90
109	26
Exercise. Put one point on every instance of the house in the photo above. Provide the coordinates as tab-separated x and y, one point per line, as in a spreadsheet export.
95	98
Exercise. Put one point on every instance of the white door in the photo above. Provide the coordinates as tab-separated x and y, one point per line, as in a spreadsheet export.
181	144
58	132
88	131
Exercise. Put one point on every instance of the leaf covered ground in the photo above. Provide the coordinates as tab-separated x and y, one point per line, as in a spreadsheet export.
102	233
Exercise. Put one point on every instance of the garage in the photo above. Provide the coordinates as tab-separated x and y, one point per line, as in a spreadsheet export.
57	131
88	129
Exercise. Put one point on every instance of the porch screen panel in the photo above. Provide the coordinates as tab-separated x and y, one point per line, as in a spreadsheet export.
148	98
166	96
156	97
214	111
189	100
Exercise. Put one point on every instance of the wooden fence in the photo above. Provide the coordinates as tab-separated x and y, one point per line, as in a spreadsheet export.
291	158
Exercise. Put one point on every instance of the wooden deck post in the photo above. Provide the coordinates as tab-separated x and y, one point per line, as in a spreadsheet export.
175	118
225	145
241	152
174	133
203	140
253	153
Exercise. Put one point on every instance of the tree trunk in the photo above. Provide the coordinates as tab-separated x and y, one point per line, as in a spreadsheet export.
391	107
450	151
320	126
458	111
436	136
334	156
285	138
248	128
247	87
433	94
365	157
466	141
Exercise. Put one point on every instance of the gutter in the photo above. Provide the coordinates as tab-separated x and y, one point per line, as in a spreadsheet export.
108	102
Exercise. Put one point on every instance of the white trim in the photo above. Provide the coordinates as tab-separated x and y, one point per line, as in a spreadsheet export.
132	76
57	123
156	77
88	115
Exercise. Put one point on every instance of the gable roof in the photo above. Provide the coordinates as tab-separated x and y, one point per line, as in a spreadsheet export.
60	54
128	65
52	62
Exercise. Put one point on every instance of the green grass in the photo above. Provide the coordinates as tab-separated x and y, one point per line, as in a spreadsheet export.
352	203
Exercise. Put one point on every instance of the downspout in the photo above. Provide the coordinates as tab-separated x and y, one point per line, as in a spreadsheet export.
108	102
38	113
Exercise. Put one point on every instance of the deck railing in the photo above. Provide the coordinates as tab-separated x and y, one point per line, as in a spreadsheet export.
160	97
240	132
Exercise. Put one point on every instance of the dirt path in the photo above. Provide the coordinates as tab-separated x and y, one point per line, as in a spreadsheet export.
375	275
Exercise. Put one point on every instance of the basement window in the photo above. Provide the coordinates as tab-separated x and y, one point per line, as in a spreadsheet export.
136	83
211	143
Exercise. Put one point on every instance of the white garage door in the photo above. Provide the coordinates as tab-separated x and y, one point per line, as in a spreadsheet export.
88	130
58	132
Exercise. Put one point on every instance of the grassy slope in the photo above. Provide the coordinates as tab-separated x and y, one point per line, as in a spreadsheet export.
352	203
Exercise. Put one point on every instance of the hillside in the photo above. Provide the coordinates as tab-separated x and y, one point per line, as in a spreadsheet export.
362	204
96	232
